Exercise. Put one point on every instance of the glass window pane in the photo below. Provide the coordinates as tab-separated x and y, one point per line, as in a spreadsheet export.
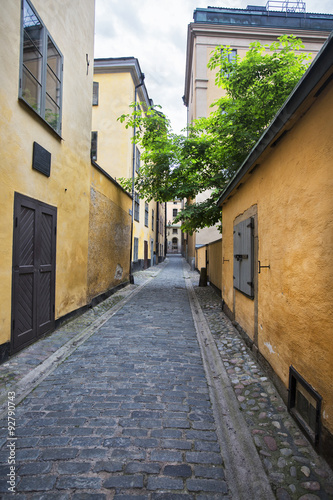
52	114
31	90
53	72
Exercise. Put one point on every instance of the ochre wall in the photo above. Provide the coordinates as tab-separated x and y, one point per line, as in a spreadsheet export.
114	146
215	263
293	191
72	27
144	233
109	235
200	257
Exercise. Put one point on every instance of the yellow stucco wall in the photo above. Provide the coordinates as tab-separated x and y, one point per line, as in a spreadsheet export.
72	27
144	233
109	235
200	257
293	191
114	149
215	263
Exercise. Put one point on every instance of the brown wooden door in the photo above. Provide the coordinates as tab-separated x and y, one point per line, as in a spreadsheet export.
34	253
145	254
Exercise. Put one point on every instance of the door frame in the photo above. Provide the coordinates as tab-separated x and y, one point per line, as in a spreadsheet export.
38	268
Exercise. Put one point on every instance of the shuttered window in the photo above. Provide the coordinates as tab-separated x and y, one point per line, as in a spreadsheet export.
243	257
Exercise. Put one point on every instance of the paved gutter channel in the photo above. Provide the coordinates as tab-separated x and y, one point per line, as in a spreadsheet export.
243	468
293	468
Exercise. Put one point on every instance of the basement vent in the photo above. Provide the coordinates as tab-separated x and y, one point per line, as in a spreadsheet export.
304	404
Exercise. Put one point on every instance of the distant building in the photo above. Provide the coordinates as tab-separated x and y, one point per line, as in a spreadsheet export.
174	232
118	82
237	28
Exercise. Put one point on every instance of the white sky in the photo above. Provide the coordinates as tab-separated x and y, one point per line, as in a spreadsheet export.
155	32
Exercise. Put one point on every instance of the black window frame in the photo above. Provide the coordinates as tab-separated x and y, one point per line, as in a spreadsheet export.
174	212
312	430
136	207
93	149
136	249
137	160
95	98
146	214
40	109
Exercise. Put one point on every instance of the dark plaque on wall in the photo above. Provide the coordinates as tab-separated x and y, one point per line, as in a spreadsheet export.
41	160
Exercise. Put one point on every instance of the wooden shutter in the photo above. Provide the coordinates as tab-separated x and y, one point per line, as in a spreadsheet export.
243	257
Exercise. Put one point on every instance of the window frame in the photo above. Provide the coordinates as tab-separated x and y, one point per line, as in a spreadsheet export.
136	249
94	143
146	214
136	207
45	36
95	99
137	160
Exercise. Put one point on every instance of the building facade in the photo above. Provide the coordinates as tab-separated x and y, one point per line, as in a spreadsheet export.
45	101
118	82
276	251
238	28
174	232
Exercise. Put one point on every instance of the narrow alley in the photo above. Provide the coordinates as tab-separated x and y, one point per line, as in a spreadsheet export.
155	397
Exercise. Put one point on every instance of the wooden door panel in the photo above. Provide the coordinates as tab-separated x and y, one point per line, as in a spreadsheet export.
33	270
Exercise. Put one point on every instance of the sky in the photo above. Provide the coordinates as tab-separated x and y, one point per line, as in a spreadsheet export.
155	32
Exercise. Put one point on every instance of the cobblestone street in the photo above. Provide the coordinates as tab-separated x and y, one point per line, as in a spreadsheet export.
120	404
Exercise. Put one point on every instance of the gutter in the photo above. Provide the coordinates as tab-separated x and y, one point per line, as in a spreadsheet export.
320	68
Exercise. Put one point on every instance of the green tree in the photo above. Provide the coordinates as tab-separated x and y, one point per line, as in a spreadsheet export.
182	166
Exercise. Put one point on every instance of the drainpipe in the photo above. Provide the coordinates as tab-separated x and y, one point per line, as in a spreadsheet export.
133	174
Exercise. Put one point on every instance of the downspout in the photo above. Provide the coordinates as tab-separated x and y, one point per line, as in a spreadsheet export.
165	230
133	175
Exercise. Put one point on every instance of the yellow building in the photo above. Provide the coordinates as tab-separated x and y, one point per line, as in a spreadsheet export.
45	99
237	28
118	82
277	250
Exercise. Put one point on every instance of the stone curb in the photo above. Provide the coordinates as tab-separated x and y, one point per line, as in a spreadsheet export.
244	472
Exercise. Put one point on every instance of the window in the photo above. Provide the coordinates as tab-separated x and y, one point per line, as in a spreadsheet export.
231	58
174	231
146	214
136	207
174	212
41	69
95	93
93	150
137	160
304	403
152	220
243	257
136	250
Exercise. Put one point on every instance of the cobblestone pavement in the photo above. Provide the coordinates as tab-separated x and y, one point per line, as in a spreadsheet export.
294	469
128	415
